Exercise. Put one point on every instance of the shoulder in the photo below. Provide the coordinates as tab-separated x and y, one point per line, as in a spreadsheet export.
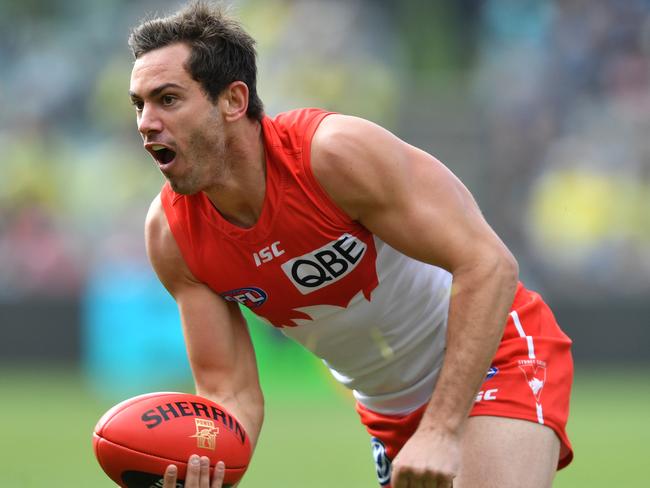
356	161
355	145
340	135
162	249
156	228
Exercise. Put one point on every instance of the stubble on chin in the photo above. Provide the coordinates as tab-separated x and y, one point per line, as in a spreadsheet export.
182	187
205	158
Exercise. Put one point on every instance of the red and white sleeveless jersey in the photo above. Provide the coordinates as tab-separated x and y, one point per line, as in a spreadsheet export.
375	316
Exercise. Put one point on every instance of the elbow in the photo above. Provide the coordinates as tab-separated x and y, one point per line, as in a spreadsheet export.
497	266
493	264
506	270
510	266
251	399
256	399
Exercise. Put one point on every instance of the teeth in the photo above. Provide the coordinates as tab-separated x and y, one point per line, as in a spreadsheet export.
157	147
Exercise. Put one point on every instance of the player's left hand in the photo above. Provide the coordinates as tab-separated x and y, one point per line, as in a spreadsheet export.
198	474
429	459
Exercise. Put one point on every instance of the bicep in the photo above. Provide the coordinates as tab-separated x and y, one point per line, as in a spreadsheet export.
402	194
429	214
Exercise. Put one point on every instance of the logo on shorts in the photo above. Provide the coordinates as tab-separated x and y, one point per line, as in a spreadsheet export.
535	372
382	463
491	372
252	297
325	265
487	395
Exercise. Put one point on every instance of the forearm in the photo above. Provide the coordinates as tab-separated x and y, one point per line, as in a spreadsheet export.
247	405
223	362
480	301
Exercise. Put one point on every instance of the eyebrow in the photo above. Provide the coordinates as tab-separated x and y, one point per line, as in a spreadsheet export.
156	91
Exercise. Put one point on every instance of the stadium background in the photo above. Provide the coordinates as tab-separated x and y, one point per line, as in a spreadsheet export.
542	107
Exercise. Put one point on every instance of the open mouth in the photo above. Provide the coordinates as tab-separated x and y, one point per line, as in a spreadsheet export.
162	154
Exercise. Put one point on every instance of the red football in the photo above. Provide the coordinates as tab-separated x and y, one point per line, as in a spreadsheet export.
138	438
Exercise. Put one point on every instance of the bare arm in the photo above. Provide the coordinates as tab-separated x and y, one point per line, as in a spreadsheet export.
218	344
415	204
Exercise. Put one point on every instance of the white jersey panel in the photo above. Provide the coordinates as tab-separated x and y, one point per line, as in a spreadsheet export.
388	350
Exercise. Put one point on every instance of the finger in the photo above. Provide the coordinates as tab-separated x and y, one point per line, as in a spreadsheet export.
169	480
448	481
416	482
193	472
431	481
219	474
443	482
400	479
204	472
425	482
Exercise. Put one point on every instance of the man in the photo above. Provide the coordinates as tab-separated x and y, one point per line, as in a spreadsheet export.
367	250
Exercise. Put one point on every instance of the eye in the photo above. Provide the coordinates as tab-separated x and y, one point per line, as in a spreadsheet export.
168	100
138	104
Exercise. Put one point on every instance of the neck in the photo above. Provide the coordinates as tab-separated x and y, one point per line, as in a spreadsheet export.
239	196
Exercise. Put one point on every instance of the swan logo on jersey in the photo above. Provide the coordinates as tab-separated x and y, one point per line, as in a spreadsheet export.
325	265
251	297
382	463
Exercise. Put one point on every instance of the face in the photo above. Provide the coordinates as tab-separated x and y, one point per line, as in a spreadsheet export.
181	128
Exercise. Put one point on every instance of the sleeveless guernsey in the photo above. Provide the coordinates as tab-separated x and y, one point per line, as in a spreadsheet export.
375	316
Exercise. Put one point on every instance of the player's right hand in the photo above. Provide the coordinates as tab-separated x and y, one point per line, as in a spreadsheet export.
198	474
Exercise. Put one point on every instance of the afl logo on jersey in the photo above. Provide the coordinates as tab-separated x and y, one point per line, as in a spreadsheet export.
252	297
325	265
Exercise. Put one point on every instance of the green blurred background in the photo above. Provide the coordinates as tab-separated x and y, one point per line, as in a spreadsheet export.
542	107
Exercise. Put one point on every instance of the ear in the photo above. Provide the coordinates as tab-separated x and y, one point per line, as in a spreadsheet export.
233	101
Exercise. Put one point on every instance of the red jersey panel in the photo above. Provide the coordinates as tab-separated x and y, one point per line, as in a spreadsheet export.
303	251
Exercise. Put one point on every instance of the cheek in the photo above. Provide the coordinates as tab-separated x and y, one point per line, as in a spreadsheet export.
198	143
198	133
205	139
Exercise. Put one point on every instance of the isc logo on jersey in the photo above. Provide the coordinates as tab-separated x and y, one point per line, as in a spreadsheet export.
325	265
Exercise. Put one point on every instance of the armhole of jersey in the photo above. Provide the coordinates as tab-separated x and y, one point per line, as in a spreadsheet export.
181	234
333	210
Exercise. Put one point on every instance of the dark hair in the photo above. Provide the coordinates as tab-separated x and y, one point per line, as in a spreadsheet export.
221	51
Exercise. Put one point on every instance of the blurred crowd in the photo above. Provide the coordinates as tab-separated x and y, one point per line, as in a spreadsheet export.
566	98
559	92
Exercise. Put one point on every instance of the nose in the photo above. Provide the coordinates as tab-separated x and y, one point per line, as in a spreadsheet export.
148	121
